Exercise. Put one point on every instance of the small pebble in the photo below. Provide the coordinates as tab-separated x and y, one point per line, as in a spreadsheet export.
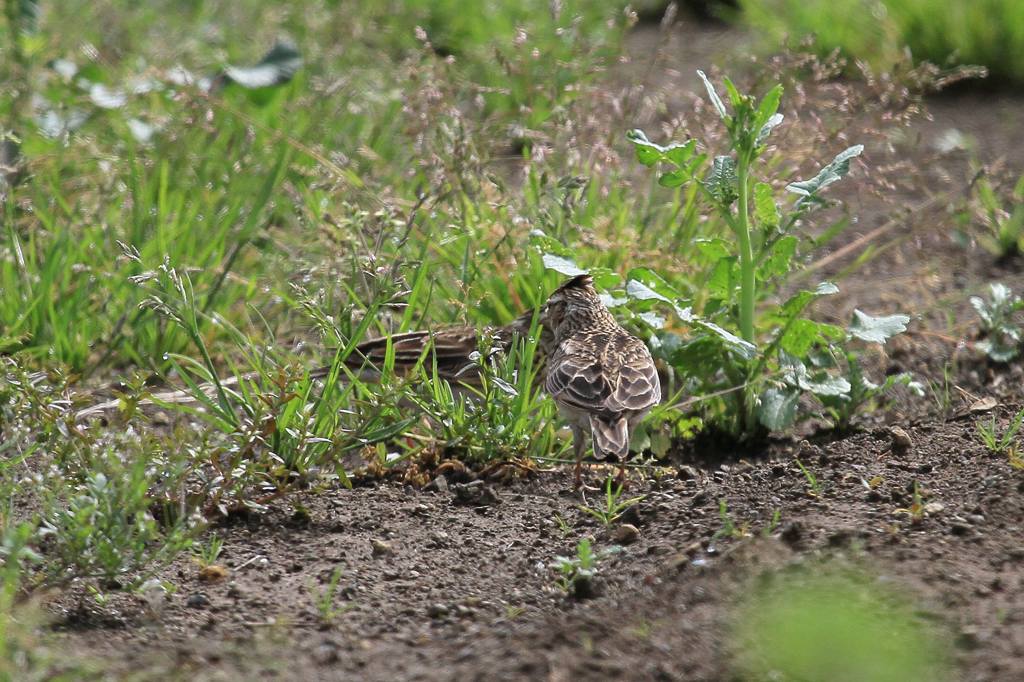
197	601
380	548
626	534
901	441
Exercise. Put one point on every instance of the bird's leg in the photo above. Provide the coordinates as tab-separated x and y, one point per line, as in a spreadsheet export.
578	442
621	480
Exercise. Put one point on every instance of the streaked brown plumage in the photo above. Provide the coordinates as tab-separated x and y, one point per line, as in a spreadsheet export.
602	378
452	348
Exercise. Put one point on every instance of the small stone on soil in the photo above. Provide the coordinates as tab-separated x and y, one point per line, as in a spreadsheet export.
197	601
437	611
900	440
380	548
626	534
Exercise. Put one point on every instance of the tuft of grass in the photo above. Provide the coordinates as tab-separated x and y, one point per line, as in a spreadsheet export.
614	506
998	441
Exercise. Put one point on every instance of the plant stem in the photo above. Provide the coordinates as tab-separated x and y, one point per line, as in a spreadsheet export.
747	283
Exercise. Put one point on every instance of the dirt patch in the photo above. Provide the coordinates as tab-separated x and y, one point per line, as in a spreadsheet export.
433	588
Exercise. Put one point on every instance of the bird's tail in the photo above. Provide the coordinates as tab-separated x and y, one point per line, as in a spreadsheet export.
611	436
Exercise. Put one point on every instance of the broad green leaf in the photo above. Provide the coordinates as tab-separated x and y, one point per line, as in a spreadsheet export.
713	249
744	349
834	171
767	128
674	178
645	284
722	180
735	98
820	383
716	102
652	320
604	278
679	154
562	266
780	258
647	152
802	334
277	67
548	244
765	210
777	410
724	278
800	300
768	107
877	329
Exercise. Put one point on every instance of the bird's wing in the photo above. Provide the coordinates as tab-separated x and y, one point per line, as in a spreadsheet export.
578	380
637	387
626	380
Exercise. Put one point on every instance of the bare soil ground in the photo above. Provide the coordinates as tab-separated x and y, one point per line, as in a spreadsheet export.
439	585
433	587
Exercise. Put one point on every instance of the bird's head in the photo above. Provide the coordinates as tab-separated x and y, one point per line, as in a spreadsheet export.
575	294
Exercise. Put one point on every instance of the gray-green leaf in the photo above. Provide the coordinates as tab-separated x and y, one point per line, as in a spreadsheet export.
562	266
716	101
877	329
833	172
777	410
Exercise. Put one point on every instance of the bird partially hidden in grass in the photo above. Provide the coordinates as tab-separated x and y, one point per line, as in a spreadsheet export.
601	377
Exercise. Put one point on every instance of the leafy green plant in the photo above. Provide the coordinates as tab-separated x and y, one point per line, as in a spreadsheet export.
1001	331
206	553
760	356
576	573
860	391
614	505
1002	220
1000	443
99	523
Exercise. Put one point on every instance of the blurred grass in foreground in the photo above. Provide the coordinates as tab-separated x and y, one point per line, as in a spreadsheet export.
834	626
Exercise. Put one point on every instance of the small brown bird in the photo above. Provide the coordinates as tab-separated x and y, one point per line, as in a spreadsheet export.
602	378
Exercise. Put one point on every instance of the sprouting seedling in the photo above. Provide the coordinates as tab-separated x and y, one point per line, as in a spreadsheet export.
614	506
773	523
916	511
729	528
812	480
324	600
563	526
